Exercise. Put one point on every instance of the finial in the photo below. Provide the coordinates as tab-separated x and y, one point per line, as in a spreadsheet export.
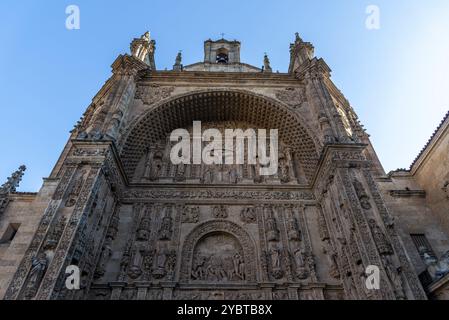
146	36
13	182
222	35
297	37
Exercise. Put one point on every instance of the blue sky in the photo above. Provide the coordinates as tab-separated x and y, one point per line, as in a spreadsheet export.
396	78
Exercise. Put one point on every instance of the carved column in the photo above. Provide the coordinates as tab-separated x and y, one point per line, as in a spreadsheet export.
61	238
361	228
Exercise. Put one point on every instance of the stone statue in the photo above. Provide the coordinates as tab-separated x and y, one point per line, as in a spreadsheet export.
135	270
381	240
239	266
209	176
271	227
156	167
178	59
292	226
171	263
165	231
147	262
299	262
54	235
38	269
284	170
114	124
199	271
124	262
233	175
361	194
180	173
76	189
258	178
104	257
160	262
274	254
143	233
394	276
266	64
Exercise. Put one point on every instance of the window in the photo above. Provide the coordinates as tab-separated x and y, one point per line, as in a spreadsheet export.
422	245
10	233
222	56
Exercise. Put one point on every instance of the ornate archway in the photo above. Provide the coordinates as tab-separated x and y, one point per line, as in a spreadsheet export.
219	105
244	250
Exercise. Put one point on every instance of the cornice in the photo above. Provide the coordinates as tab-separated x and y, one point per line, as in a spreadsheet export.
222	77
433	142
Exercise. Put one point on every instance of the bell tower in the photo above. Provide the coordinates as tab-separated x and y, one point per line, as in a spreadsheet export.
221	51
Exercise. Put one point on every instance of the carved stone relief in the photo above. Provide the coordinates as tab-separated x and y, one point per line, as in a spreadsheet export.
152	93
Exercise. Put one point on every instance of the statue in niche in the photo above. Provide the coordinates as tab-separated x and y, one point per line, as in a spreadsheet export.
233	175
165	231
271	226
135	271
97	124
124	262
76	189
104	257
248	215
209	175
284	170
293	231
361	194
275	254
160	262
143	233
114	124
147	262
148	166
382	243
156	166
333	257
53	238
180	173
220	212
171	263
239	266
300	265
394	276
258	178
38	268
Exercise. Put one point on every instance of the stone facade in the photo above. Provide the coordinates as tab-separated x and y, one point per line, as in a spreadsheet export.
140	227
